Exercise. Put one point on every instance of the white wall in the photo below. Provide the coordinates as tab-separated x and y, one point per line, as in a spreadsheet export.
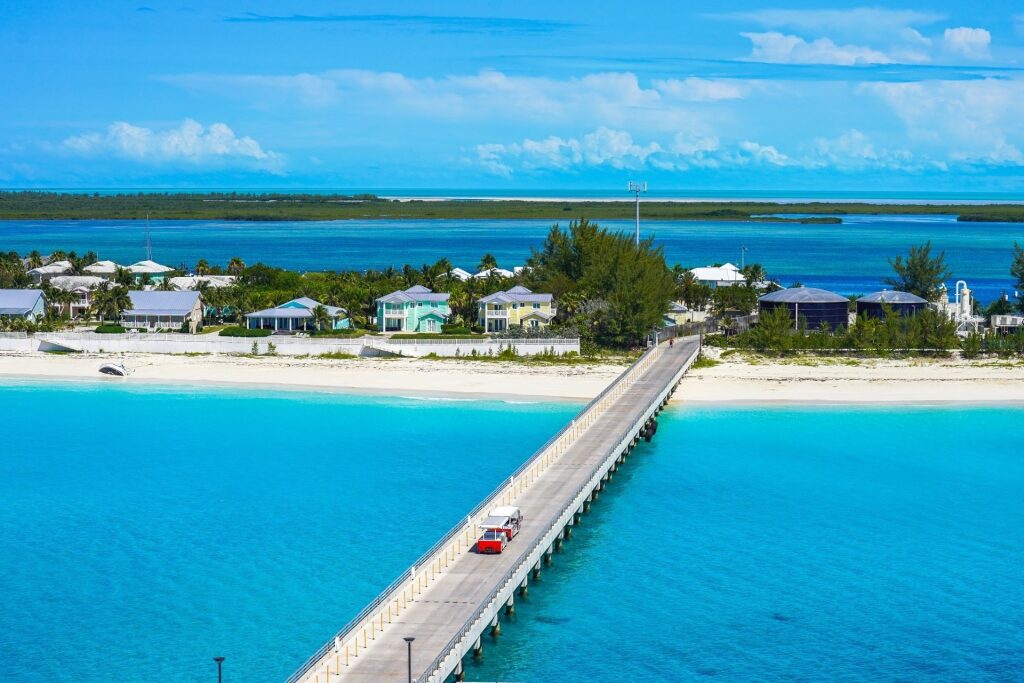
92	342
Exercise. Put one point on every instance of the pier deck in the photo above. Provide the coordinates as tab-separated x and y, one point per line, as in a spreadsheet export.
469	591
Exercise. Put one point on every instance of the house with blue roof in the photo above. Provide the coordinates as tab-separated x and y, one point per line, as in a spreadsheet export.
157	310
22	303
297	315
416	309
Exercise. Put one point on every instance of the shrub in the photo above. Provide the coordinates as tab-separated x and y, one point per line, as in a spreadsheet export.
110	329
455	329
244	332
346	332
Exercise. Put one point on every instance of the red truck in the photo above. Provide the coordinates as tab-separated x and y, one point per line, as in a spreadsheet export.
500	527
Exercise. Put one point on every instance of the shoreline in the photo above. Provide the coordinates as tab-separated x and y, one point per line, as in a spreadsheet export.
411	378
753	381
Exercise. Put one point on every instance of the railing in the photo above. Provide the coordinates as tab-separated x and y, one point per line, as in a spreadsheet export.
554	523
506	341
371	619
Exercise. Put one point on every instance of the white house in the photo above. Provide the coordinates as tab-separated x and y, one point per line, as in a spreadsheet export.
82	285
296	315
43	273
495	272
102	268
22	303
460	274
151	268
192	282
719	276
163	311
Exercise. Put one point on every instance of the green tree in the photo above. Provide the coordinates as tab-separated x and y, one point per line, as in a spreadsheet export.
920	273
236	266
623	289
1017	271
487	262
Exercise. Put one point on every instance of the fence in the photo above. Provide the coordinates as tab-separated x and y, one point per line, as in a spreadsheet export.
372	619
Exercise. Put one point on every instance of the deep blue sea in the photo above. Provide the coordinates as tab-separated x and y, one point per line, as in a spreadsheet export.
850	258
144	531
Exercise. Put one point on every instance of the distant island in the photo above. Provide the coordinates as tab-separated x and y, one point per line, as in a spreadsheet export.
241	206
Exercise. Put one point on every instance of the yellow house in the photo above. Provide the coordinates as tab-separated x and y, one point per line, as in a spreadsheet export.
517	306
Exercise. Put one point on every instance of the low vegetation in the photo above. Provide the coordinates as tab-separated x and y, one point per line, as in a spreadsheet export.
110	329
244	332
295	207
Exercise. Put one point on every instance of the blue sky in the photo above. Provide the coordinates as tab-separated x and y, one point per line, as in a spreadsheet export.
522	95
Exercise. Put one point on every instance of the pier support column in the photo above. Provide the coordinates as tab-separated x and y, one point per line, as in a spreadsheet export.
576	518
460	675
536	571
586	503
510	606
558	540
478	647
547	555
495	626
524	587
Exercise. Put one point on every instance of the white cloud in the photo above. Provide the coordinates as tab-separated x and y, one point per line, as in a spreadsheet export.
966	121
614	99
871	22
190	141
617	149
693	89
972	43
779	48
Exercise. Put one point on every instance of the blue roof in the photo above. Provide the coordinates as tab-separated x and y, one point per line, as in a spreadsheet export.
162	303
18	301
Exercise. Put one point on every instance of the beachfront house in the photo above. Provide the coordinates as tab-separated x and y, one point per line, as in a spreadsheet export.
493	272
194	282
154	270
82	286
416	309
297	315
516	306
719	276
27	304
43	273
104	269
164	311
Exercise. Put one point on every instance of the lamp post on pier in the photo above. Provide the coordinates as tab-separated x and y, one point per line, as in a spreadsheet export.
408	640
220	662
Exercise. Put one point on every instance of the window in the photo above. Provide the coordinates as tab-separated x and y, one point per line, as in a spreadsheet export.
536	306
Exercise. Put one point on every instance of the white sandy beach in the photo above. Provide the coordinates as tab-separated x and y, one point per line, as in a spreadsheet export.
359	375
855	381
792	380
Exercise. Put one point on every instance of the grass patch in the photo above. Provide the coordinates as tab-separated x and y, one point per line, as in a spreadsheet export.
705	362
336	355
236	331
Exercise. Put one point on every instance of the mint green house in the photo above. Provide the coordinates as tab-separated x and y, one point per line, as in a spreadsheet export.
416	309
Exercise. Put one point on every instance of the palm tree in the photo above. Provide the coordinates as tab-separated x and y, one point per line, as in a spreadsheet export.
165	285
35	259
235	266
124	277
487	262
202	267
322	318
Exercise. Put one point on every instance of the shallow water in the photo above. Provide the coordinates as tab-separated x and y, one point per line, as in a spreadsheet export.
850	258
144	532
790	544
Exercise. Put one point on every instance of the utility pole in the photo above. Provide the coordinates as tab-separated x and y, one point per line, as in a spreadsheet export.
743	256
636	188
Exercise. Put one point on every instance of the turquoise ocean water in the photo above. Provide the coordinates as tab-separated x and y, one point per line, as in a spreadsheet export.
850	258
144	531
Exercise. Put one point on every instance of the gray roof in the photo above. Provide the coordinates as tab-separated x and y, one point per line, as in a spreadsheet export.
415	293
517	294
804	295
162	303
71	283
18	301
891	297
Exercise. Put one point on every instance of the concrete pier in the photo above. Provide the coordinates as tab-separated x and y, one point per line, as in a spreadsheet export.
452	595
